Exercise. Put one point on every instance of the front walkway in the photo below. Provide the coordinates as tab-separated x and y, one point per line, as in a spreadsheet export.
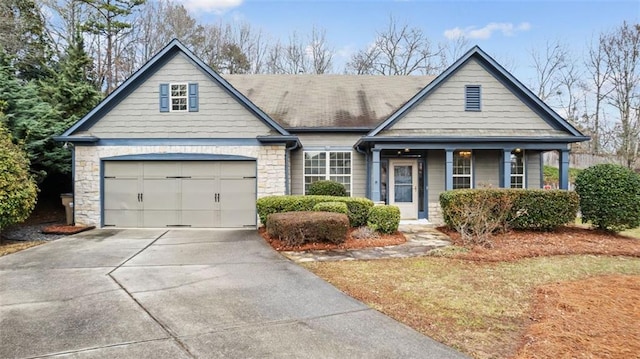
421	236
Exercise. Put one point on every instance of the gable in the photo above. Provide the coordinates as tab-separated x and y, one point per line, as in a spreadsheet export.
442	111
219	114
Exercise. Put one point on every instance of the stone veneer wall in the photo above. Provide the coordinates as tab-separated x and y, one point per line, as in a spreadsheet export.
270	165
435	213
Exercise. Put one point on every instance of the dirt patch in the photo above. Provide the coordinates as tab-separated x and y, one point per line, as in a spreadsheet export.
596	317
350	243
8	247
515	245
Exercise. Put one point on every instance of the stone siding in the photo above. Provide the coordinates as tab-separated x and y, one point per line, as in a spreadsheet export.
270	167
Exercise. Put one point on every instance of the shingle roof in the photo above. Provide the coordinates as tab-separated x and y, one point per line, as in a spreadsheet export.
328	101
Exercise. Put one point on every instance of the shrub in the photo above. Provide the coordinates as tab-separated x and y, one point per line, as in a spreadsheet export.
336	207
296	228
384	219
364	233
18	191
478	213
609	197
327	188
358	208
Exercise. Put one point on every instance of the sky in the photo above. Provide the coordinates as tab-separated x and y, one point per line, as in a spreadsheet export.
507	30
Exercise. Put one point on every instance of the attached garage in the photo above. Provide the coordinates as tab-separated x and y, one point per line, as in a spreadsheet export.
207	191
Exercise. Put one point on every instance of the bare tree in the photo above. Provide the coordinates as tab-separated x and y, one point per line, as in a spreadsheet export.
547	65
399	50
321	54
622	55
598	75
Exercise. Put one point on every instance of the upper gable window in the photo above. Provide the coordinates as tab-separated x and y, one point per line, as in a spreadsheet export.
179	97
472	98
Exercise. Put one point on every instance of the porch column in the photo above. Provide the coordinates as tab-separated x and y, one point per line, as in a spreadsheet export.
375	175
505	180
448	170
563	169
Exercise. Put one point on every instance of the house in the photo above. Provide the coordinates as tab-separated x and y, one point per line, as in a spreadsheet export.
179	145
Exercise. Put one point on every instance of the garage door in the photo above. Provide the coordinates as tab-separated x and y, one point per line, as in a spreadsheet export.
152	194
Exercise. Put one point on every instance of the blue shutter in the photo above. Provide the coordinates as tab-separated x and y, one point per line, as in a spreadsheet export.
164	97
193	97
472	98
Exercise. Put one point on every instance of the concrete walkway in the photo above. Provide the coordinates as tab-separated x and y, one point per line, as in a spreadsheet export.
185	294
421	239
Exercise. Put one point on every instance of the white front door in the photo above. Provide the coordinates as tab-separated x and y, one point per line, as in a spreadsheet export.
403	187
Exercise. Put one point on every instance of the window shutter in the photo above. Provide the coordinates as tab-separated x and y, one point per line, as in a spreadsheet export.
472	98
164	97
193	97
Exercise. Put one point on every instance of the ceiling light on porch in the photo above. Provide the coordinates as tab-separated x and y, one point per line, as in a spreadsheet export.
464	153
518	150
406	150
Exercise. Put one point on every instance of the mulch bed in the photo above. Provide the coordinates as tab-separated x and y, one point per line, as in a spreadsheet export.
598	316
350	243
65	229
515	245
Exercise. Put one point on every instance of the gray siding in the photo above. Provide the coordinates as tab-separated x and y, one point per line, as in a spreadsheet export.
435	174
532	168
219	115
486	168
324	142
442	112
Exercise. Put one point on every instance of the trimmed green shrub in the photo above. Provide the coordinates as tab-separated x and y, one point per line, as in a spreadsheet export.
296	228
609	197
384	219
18	191
358	208
489	210
327	188
336	207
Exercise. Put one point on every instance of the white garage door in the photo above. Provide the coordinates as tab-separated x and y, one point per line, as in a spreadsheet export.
152	194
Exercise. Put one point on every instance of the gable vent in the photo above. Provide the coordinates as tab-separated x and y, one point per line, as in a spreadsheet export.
472	98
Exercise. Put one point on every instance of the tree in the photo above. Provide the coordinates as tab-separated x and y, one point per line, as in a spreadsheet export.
17	188
110	20
232	60
321	54
598	75
398	50
547	65
622	56
22	35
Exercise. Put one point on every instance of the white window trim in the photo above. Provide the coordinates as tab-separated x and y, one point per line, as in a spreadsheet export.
171	97
327	174
470	175
524	172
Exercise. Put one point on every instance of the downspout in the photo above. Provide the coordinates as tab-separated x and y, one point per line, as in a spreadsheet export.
73	183
368	169
287	159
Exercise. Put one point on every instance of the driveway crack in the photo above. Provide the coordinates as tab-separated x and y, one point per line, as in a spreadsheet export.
166	329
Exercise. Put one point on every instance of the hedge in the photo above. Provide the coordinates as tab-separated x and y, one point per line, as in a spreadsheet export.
527	208
609	197
296	228
384	219
327	188
358	207
335	207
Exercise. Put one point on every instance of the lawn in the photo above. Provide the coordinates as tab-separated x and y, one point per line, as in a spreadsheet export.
505	308
8	247
478	308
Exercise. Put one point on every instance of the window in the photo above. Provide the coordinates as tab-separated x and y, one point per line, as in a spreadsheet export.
472	98
517	168
462	169
179	97
327	165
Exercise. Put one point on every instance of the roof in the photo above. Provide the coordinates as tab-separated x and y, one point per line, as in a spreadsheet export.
342	102
156	62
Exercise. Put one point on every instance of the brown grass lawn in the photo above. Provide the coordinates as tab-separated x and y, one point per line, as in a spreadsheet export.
579	303
8	247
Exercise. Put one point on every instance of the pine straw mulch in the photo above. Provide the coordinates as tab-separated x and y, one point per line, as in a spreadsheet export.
350	243
65	229
514	245
599	316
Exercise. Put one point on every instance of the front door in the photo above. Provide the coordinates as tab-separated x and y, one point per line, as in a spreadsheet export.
403	187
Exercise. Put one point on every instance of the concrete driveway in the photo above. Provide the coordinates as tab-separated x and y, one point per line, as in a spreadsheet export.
185	294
